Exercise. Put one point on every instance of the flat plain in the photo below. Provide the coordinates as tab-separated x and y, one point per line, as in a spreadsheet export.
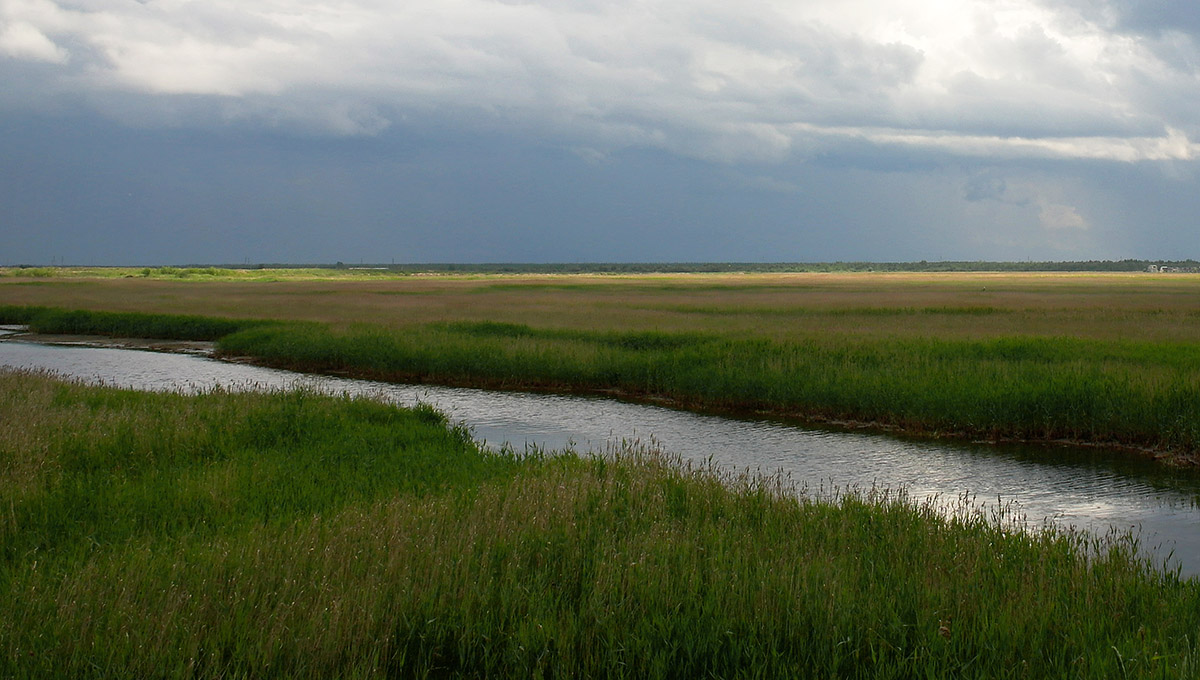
1103	358
1105	306
293	535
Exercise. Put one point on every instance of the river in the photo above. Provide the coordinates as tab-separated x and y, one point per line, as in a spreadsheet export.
1090	489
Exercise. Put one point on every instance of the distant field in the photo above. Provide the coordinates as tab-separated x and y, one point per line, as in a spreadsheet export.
1098	357
938	305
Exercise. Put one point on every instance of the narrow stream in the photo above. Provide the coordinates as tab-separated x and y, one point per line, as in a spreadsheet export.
1091	489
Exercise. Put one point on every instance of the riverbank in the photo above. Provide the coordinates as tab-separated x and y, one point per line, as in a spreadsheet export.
294	535
1097	359
1139	396
1184	456
196	347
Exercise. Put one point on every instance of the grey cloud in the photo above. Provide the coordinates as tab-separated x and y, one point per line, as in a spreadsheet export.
94	191
313	131
706	79
1142	16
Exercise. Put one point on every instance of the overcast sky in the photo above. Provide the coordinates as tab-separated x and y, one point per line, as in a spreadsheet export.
228	131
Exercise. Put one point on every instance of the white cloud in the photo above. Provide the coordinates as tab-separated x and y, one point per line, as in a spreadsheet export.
21	40
1172	145
1050	199
756	80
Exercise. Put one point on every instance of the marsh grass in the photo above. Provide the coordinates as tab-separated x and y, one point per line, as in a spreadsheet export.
122	324
1142	394
1138	394
97	467
295	535
1101	358
775	306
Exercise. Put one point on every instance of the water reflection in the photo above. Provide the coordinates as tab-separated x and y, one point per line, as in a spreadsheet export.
1085	488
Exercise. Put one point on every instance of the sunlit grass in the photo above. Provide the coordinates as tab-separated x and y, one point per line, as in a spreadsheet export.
295	535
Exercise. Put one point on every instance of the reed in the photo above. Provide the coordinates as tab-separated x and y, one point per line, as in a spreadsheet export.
295	535
98	467
773	306
53	320
1137	394
1099	358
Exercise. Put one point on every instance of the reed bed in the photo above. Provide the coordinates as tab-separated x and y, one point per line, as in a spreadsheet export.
54	320
771	306
1128	393
295	535
1096	358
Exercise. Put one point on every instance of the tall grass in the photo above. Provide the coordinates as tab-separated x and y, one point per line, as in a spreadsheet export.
101	467
294	535
1138	394
122	324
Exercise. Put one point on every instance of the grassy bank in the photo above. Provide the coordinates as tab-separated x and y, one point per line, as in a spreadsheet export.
291	535
1143	394
1107	358
122	324
1119	392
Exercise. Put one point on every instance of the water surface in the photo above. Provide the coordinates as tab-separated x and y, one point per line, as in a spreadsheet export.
1085	488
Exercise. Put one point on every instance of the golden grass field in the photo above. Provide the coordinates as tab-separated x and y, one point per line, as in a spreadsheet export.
1103	306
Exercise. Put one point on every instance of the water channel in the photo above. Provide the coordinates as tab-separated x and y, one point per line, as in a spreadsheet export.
1091	489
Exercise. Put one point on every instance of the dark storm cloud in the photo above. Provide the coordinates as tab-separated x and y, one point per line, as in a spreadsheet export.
627	130
712	80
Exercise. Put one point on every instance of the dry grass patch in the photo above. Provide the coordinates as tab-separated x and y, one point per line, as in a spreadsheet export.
1105	306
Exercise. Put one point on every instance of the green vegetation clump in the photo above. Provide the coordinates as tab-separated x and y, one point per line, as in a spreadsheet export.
122	324
35	272
23	315
185	272
299	536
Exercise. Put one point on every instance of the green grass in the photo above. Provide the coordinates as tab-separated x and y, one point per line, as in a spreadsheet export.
295	535
1140	394
1137	394
122	324
108	466
185	272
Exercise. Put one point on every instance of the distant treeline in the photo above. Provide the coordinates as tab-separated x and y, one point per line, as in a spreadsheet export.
714	267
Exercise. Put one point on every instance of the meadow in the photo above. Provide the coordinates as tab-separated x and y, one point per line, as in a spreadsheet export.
1103	358
293	535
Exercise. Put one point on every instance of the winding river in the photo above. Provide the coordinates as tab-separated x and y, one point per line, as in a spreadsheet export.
1090	489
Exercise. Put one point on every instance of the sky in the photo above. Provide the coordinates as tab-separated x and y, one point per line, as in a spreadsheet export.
145	132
